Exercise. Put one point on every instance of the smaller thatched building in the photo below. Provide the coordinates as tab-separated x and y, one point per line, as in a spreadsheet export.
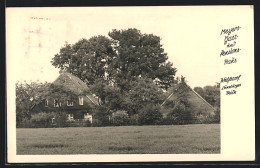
198	110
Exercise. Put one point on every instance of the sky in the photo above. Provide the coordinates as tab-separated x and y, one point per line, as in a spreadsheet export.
189	35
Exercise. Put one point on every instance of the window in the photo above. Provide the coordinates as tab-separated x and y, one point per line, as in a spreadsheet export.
88	117
52	120
56	103
80	100
69	103
46	103
69	117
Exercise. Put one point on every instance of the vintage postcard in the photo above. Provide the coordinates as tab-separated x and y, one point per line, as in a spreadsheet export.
130	84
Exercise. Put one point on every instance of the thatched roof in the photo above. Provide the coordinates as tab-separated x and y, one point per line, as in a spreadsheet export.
75	85
192	91
200	97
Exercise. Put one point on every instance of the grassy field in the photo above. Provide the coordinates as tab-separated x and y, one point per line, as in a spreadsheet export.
170	139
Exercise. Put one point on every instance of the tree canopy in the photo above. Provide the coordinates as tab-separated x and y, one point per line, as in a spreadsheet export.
210	93
27	95
86	59
140	55
119	58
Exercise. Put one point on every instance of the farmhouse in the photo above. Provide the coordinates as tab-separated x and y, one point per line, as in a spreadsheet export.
201	110
78	106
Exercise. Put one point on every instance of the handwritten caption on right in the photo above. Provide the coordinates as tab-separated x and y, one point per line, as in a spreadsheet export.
231	83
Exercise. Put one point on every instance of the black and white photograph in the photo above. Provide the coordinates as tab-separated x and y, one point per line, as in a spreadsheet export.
131	82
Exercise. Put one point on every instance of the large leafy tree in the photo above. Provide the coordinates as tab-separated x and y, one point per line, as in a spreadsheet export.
86	59
27	95
139	55
126	54
143	92
200	91
109	96
210	93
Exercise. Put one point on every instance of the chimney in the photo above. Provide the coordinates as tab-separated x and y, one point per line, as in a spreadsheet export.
182	79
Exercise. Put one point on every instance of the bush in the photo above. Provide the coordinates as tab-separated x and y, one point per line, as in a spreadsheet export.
44	120
82	123
41	120
87	123
22	119
180	114
217	116
25	123
101	114
133	120
149	115
166	121
96	123
119	118
60	119
205	118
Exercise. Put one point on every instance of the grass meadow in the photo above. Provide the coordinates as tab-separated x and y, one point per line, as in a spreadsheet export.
170	139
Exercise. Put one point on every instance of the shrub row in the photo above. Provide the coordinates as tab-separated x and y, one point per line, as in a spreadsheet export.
44	120
40	120
149	115
152	115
